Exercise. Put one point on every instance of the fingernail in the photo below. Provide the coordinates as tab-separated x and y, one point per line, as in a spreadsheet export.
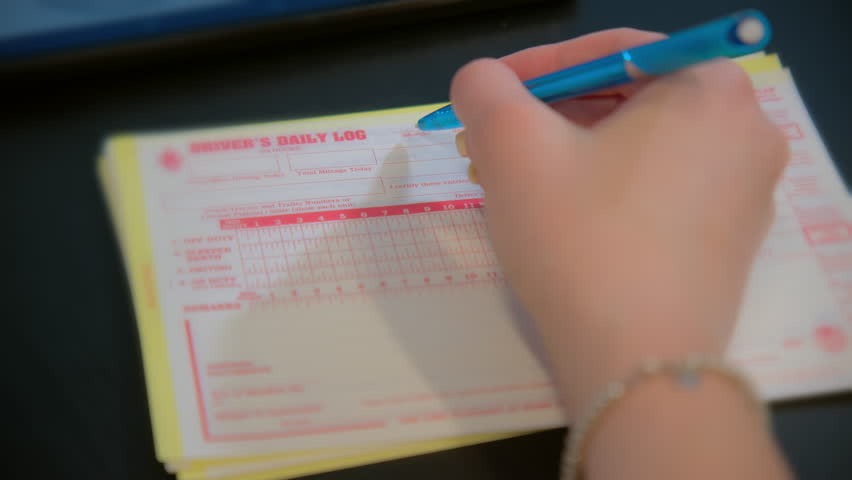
461	144
471	174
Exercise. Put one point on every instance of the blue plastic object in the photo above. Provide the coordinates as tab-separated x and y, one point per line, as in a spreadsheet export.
738	34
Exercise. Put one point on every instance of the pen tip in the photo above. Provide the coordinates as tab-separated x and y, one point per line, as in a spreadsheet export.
442	119
424	124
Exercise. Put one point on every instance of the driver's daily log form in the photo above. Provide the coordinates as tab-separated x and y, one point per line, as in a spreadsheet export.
329	282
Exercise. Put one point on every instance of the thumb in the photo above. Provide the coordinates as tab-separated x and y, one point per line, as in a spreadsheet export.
509	134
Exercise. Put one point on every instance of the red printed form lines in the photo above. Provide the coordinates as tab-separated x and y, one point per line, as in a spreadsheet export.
400	246
417	153
199	397
370	156
330	159
248	196
298	422
821	226
204	413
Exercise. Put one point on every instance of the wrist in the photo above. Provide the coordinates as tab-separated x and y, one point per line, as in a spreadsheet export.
663	429
588	350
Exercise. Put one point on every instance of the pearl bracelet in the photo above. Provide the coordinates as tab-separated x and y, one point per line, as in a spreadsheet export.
686	374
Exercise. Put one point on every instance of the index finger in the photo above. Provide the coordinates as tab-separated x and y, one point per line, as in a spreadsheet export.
536	61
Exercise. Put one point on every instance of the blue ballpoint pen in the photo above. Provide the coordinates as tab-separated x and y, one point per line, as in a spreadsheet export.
738	34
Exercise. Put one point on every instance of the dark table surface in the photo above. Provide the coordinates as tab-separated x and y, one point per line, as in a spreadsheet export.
77	395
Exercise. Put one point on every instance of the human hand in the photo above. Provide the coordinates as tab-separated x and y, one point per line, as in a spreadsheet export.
627	224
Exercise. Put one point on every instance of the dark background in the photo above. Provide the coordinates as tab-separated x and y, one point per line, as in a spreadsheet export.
77	396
